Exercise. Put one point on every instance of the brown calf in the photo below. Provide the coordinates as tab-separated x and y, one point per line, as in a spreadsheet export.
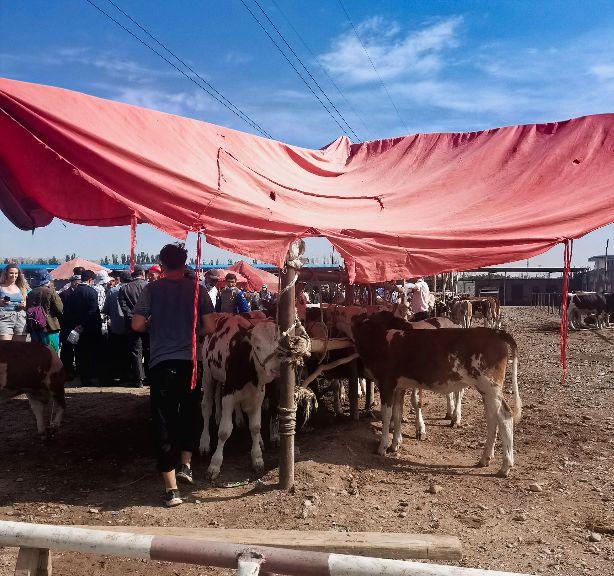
33	369
444	360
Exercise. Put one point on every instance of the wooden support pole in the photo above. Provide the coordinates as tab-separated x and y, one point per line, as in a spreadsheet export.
33	562
353	392
287	377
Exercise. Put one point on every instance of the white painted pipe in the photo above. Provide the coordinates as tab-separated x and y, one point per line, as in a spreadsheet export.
220	554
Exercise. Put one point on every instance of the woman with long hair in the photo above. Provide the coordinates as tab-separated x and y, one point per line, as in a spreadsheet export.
13	291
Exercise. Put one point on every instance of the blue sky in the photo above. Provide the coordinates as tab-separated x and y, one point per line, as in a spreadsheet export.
448	66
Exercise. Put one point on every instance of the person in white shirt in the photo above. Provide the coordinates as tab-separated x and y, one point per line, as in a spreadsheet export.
420	300
212	278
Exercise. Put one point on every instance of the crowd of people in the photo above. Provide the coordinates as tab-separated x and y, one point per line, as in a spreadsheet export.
137	328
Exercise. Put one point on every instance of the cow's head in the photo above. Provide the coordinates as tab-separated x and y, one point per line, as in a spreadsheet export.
340	318
265	352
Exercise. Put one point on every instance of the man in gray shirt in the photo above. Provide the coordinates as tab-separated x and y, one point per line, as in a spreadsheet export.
166	308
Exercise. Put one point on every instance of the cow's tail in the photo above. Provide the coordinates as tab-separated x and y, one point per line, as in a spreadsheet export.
509	340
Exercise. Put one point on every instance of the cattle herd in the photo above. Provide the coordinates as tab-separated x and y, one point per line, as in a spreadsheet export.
379	344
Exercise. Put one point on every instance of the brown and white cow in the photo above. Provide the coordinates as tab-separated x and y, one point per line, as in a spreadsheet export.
462	313
589	303
444	361
341	317
239	360
35	370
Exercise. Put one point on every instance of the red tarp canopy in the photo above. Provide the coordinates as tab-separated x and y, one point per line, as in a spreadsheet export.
256	277
65	271
393	208
241	280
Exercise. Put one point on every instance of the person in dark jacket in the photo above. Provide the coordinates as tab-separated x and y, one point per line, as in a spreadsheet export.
67	350
128	297
119	363
81	313
232	299
43	294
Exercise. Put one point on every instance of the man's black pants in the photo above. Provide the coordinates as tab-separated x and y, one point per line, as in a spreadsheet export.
135	350
175	411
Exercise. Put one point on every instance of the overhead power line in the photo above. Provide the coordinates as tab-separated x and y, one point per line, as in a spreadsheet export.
381	80
330	78
292	64
208	88
306	70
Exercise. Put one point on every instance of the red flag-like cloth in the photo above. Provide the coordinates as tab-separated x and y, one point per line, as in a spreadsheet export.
395	208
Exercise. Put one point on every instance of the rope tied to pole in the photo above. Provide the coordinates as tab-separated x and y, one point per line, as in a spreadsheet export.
294	348
195	311
287	420
133	223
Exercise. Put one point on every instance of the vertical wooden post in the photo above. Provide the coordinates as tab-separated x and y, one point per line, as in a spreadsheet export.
353	391
287	316
33	562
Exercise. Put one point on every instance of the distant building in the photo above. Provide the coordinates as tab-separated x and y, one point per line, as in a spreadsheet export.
600	261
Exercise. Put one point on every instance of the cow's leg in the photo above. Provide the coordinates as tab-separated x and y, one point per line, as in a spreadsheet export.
218	403
449	406
491	408
238	416
338	394
370	394
397	417
457	410
386	415
223	433
38	408
362	387
417	405
506	428
207	409
58	407
254	416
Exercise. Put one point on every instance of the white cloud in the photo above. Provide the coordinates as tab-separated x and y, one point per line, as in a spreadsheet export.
111	63
181	103
394	55
603	71
237	58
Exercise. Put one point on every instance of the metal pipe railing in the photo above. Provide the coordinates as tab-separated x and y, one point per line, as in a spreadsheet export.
246	559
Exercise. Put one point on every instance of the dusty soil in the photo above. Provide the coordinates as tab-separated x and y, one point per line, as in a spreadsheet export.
100	471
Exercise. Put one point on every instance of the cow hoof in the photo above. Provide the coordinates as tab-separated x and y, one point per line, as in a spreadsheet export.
421	435
212	473
483	463
258	467
394	448
448	416
203	449
503	473
381	451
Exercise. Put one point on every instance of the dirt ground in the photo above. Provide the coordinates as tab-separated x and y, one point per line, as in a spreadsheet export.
100	471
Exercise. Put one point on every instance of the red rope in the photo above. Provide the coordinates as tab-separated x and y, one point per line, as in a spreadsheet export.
195	318
568	250
132	241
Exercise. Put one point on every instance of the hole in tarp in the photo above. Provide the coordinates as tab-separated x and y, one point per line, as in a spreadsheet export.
576	161
272	195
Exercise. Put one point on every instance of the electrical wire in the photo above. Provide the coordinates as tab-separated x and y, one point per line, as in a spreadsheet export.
306	69
212	92
330	78
381	80
291	64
